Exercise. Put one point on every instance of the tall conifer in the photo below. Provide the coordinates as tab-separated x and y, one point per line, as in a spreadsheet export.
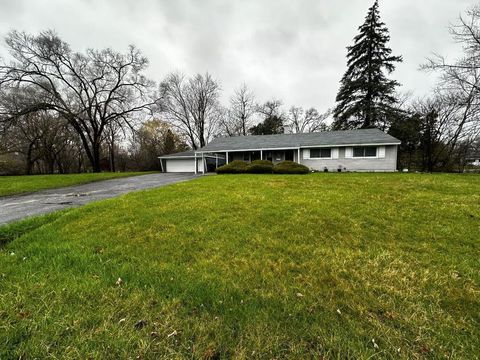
366	96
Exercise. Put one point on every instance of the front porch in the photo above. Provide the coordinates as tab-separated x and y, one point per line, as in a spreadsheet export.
274	156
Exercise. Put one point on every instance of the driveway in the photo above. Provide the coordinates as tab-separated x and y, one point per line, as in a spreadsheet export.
17	207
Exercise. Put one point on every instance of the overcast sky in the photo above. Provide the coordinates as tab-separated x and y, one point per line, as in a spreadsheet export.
292	50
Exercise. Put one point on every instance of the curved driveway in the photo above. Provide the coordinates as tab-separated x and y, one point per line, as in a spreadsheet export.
17	207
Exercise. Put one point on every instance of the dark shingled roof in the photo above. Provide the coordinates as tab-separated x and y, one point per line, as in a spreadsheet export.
185	154
280	141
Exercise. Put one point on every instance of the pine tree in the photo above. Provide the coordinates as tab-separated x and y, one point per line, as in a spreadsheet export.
271	125
366	95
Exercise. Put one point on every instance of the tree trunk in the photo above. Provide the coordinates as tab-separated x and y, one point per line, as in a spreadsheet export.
95	160
112	156
29	162
80	163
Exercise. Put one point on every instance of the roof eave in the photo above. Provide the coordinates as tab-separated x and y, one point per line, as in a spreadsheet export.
298	147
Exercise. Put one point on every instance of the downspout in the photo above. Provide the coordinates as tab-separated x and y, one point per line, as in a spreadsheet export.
196	164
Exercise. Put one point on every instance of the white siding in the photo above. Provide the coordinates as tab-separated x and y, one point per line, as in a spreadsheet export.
386	163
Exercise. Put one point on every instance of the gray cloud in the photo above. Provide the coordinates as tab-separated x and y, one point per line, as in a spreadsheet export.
292	50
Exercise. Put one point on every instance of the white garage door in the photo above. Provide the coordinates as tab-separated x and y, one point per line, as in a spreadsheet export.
180	165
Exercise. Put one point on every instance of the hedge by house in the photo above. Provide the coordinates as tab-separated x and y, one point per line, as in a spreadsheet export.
234	167
260	167
290	167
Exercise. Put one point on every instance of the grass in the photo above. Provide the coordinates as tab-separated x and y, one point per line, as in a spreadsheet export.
252	266
12	185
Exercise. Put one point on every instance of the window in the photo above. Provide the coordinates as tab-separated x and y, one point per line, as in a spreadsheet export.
321	153
365	151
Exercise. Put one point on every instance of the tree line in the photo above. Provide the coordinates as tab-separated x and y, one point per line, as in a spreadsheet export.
67	111
64	111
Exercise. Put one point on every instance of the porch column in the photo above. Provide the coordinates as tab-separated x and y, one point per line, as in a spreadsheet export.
226	157
261	154
203	164
196	164
161	165
216	160
299	160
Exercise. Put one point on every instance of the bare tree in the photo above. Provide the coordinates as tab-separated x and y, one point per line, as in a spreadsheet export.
460	81
192	106
441	121
271	108
242	108
463	70
300	121
113	134
40	137
90	90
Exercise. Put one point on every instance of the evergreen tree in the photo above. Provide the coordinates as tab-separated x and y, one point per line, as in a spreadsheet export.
366	95
271	125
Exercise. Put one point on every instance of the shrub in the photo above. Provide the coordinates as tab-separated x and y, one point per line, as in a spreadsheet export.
234	167
290	167
260	167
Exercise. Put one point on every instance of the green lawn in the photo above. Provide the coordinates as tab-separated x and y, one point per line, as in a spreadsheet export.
251	266
10	185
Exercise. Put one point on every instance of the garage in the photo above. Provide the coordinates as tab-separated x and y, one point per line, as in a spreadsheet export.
184	162
180	165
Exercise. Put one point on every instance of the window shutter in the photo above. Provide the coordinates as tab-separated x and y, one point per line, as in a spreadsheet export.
334	153
348	153
306	153
381	151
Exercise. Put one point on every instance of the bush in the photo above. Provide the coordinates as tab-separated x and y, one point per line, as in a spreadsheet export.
290	167
260	167
234	167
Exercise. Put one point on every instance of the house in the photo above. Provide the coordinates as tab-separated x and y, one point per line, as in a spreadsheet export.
473	158
349	150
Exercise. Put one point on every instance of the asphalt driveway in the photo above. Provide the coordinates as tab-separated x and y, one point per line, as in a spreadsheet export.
17	207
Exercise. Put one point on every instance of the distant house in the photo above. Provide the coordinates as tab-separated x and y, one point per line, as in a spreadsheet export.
473	158
350	150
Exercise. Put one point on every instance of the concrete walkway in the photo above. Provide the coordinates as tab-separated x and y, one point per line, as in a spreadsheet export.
17	207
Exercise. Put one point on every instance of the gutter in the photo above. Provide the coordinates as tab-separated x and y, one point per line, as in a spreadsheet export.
299	147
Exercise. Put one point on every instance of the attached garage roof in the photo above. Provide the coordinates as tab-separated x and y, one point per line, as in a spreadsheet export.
183	154
281	141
